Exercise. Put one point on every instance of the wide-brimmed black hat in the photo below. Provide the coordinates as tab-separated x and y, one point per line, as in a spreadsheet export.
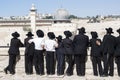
59	38
15	34
109	30
40	33
118	30
81	30
29	34
51	35
94	34
67	33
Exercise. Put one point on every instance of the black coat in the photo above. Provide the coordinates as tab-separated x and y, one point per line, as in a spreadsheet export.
29	47
68	46
95	48
117	51
81	43
60	48
14	46
109	43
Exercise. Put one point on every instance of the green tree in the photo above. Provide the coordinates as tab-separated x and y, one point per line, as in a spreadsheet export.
48	17
72	17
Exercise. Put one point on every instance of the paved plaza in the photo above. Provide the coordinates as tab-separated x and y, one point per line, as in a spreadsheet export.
20	74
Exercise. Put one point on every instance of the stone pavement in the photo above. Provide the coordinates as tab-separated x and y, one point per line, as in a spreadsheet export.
20	74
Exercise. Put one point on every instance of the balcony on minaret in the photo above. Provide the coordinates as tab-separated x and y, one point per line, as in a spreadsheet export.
33	8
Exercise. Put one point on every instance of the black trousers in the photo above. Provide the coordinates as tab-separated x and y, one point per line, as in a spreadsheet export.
80	60
39	62
97	66
70	61
60	64
118	65
50	62
108	64
28	64
12	63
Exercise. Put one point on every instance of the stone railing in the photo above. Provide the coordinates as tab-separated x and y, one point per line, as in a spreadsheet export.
4	50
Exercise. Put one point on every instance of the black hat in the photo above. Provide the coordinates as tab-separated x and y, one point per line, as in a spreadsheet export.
82	30
109	30
94	34
40	33
59	38
51	35
67	33
29	34
118	30
15	34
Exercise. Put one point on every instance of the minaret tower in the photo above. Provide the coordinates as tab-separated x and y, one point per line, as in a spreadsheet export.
33	12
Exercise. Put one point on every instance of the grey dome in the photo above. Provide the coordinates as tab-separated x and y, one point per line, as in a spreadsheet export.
61	14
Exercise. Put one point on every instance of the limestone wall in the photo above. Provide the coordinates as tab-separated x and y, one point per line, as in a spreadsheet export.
5	32
59	28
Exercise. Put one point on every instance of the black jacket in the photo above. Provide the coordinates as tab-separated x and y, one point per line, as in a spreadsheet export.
68	46
109	43
117	50
14	46
29	47
59	49
95	48
81	43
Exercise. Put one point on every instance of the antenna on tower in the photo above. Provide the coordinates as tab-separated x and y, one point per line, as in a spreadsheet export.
61	6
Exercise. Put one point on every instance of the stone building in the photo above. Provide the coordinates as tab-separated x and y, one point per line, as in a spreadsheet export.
32	22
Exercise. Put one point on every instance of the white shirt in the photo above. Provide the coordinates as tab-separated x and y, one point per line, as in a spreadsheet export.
39	42
50	45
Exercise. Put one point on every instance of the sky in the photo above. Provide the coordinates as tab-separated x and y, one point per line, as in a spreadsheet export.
81	8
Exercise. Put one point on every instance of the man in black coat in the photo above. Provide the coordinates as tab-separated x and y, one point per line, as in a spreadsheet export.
60	56
68	51
108	47
38	53
29	52
96	54
13	51
81	42
117	52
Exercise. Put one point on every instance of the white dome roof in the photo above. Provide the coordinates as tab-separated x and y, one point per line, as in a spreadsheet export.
61	14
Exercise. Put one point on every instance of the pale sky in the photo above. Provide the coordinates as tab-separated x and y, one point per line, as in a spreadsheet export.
81	8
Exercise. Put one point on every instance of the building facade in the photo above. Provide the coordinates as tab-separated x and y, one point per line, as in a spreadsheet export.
33	22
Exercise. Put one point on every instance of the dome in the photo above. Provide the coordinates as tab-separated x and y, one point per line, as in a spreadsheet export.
61	14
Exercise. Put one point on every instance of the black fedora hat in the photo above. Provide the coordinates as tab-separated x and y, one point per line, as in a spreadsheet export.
118	30
59	38
109	30
40	33
15	34
67	33
94	34
81	30
51	35
29	34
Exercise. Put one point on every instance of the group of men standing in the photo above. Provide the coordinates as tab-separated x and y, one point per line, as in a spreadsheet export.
67	50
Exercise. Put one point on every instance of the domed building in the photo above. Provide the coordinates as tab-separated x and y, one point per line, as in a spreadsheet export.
32	22
61	14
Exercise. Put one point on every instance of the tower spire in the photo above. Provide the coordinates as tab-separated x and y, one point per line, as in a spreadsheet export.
33	18
33	7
